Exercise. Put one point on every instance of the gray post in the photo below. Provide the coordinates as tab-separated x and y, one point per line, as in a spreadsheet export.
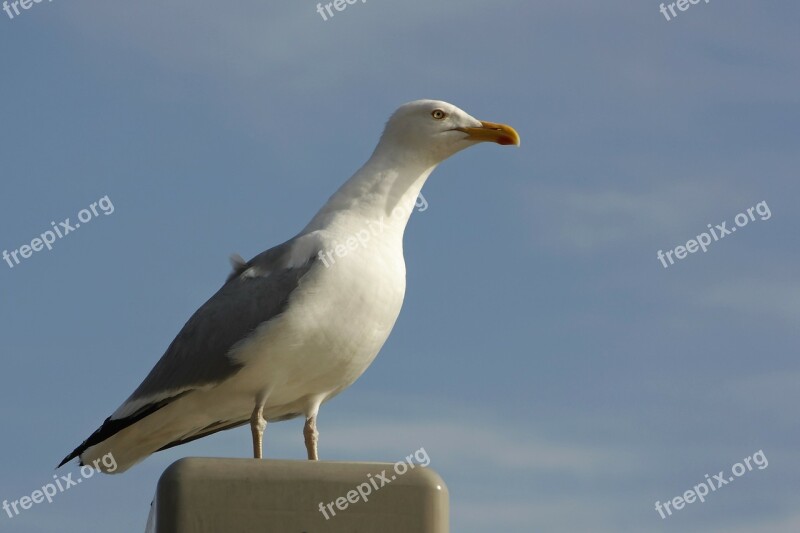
248	496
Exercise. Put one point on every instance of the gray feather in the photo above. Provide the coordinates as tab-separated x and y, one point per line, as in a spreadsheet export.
256	292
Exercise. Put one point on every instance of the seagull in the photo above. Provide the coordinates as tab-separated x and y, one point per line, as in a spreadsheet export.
300	322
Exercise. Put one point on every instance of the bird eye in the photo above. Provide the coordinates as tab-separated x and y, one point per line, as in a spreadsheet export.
438	114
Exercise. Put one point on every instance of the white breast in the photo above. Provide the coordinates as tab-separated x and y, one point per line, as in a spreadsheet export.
337	320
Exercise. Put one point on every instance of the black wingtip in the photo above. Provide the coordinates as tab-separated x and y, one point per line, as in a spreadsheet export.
75	453
112	427
106	430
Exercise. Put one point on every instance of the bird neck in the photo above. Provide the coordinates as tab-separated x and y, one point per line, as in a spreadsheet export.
384	190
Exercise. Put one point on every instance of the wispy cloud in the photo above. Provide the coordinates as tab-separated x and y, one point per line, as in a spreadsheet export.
786	524
585	219
772	298
470	441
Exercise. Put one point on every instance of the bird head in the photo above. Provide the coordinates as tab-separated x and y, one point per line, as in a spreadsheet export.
435	130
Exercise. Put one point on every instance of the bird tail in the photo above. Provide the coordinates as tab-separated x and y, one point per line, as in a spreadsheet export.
120	444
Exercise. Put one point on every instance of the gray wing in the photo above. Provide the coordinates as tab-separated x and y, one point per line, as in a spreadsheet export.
256	292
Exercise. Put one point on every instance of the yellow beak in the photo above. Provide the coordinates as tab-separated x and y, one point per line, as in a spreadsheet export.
492	132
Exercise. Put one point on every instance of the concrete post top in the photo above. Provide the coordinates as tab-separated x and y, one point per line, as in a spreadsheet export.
257	495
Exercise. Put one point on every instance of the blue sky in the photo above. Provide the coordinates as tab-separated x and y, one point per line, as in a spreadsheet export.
558	376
